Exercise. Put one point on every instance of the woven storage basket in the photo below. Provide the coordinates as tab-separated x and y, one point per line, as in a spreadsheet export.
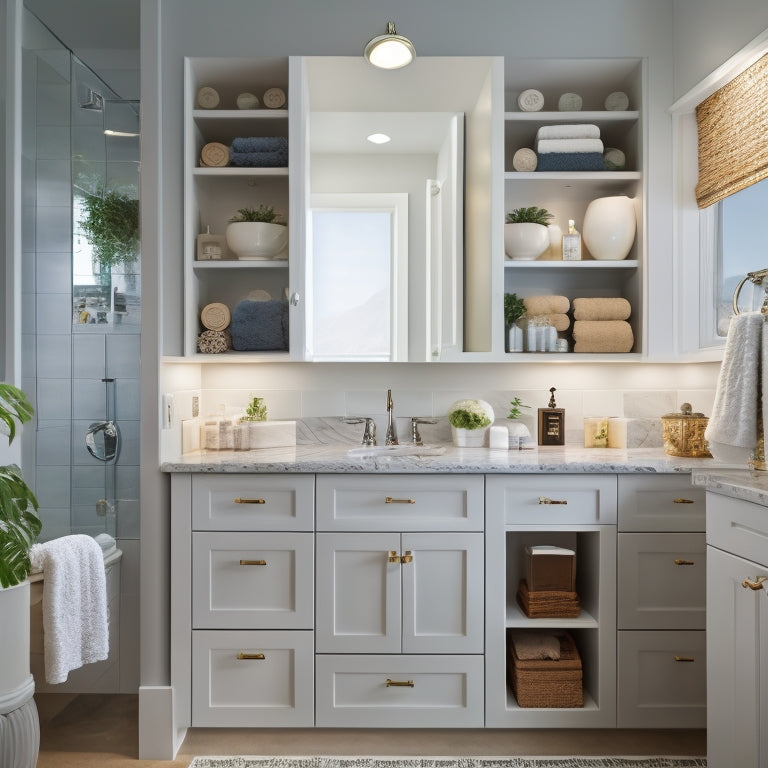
548	683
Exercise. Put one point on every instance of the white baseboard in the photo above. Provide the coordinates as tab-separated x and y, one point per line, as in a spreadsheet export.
159	739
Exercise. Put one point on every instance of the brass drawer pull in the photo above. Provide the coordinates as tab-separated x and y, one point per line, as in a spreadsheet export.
253	562
754	584
250	656
400	683
684	658
678	561
390	500
407	557
395	558
683	501
547	500
238	500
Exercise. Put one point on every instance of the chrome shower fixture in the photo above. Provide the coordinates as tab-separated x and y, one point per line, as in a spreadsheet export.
95	101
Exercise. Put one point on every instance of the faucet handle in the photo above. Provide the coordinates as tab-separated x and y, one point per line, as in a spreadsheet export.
415	421
369	432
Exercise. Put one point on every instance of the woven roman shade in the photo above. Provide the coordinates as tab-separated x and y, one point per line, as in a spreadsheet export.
733	135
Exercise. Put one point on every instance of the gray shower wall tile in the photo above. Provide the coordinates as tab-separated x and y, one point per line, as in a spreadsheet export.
53	272
54	228
53	105
54	182
54	313
54	356
91	476
53	141
53	486
53	444
55	522
88	356
54	399
89	399
127	399
123	356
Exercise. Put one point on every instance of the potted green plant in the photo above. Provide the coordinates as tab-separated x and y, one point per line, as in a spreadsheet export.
518	431
526	236
514	309
469	420
111	226
19	527
257	233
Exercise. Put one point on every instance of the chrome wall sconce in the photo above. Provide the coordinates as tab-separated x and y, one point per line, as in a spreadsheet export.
390	51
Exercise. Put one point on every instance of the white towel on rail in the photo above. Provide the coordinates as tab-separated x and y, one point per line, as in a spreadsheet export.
732	429
75	625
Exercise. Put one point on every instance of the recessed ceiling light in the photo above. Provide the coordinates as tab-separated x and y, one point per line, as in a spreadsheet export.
378	138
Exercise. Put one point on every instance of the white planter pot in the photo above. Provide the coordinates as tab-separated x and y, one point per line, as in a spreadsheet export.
469	438
526	241
257	240
609	227
20	728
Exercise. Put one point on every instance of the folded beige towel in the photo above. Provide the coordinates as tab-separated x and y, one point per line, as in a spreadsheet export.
601	309
535	645
602	336
560	320
546	305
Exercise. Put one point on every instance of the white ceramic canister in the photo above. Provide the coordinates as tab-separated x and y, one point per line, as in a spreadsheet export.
609	227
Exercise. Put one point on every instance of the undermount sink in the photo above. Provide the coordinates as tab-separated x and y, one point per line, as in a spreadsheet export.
396	450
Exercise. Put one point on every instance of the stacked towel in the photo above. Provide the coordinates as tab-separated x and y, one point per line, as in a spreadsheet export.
569	148
732	429
535	645
546	305
601	309
75	624
600	325
259	152
260	325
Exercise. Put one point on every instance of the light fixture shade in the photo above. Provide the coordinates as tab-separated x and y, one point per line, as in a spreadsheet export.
390	51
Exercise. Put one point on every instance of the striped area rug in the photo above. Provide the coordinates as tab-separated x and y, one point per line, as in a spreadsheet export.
449	762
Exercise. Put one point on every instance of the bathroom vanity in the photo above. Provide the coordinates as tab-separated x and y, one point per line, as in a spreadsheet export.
311	588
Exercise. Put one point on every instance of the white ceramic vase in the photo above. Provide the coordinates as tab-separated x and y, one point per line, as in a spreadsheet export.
469	438
609	227
257	240
525	241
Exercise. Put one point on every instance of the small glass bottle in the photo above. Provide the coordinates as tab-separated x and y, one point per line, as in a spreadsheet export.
572	243
210	246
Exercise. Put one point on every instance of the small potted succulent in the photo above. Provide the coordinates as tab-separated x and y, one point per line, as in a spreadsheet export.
257	233
514	309
518	431
470	420
526	236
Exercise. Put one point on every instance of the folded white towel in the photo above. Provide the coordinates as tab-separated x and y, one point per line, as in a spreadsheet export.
106	542
549	146
734	413
580	131
75	626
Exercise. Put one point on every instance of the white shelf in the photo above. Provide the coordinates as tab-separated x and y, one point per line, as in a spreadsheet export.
586	176
518	620
558	264
245	114
604	116
229	171
238	264
231	356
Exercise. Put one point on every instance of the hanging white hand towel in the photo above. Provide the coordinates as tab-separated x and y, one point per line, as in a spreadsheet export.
732	429
75	625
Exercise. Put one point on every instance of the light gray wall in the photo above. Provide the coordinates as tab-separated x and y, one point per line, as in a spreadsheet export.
708	32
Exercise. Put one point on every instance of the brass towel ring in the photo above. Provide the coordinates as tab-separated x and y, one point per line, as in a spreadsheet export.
756	278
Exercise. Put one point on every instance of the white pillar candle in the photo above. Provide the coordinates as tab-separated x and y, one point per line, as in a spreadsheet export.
596	432
498	438
617	432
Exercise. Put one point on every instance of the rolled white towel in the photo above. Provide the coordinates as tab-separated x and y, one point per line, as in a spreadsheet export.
578	131
549	146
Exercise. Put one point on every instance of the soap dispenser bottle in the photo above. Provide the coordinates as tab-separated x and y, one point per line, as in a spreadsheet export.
572	243
552	423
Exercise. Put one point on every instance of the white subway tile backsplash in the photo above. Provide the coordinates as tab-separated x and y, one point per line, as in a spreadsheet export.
649	404
602	403
701	400
322	403
54	356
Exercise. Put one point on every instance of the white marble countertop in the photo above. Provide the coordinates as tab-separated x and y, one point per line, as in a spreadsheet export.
749	485
335	458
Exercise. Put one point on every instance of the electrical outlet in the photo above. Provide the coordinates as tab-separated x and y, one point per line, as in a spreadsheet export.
167	416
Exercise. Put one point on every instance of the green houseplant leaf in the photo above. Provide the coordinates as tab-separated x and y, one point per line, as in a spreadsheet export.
111	226
19	523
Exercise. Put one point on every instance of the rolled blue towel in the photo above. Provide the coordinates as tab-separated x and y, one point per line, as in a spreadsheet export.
260	144
259	159
570	161
258	326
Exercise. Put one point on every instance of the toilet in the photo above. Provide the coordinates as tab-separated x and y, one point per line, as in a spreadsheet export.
102	676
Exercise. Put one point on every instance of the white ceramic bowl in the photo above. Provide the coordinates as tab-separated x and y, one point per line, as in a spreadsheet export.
256	239
525	241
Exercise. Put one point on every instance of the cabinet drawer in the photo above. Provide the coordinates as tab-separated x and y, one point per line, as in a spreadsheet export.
554	499
400	502
662	581
400	691
252	580
660	503
252	679
738	526
662	680
233	502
